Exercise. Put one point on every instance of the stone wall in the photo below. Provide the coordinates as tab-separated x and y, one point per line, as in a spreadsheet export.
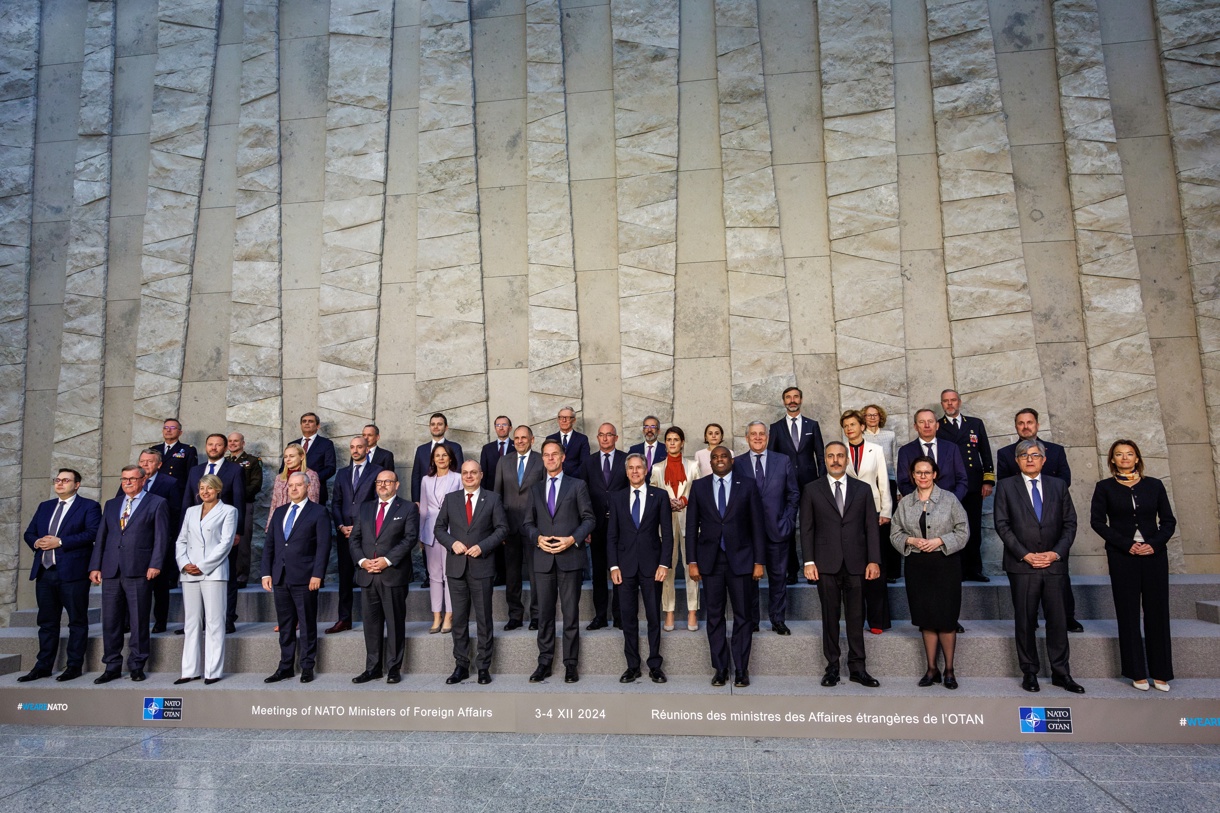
240	210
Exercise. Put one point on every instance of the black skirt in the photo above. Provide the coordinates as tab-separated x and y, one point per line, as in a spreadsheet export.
934	590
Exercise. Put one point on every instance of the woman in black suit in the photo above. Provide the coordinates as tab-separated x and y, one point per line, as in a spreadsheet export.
1132	514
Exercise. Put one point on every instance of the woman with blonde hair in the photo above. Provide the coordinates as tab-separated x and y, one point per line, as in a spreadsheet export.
294	461
202	553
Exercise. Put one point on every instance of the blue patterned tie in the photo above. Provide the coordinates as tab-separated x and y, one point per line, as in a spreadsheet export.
758	469
520	469
1037	498
721	502
550	498
211	468
635	509
292	518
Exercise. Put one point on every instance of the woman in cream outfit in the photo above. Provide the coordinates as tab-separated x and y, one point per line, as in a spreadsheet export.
675	475
202	552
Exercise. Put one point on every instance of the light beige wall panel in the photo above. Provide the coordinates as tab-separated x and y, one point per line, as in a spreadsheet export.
699	399
499	61
1134	72
590	133
594	223
302	248
700	223
502	218
700	329
800	192
586	48
599	332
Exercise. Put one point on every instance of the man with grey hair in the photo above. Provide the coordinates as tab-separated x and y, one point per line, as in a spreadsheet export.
605	473
1036	521
575	444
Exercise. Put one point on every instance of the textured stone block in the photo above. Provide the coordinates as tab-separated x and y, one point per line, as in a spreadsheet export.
1054	290
303	71
700	226
300	334
213	269
302	245
1165	280
587	48
501	142
1126	21
698	146
220	169
591	134
508	342
702	395
800	193
701	306
810	306
499	57
1137	97
1194	495
1178	372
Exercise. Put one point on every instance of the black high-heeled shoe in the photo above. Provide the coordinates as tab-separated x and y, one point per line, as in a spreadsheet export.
950	680
930	677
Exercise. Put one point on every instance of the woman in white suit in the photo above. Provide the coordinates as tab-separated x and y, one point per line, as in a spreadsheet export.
675	475
866	462
202	552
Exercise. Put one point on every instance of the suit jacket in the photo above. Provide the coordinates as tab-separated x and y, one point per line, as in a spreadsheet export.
382	457
170	490
873	472
1022	533
573	517
320	458
599	490
514	495
489	459
779	494
252	473
640	551
575	455
423	463
233	478
77	532
658	453
488	529
1055	465
948	460
131	551
399	534
177	463
832	542
742	527
809	458
306	551
206	542
971	441
345	503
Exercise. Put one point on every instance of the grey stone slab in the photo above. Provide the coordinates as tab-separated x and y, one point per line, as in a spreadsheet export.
724	788
1147	796
968	793
1064	796
135	26
862	792
633	785
37	799
525	783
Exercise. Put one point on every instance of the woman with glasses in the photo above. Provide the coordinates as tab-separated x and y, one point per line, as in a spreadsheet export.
675	474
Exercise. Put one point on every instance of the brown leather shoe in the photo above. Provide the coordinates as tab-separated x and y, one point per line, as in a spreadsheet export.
339	626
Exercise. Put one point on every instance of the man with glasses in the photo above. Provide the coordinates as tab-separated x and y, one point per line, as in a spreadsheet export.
605	473
489	459
575	444
61	534
516	475
651	449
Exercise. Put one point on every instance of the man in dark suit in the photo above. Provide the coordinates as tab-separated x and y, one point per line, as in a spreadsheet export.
1055	465
158	482
605	473
640	546
652	448
295	555
1036	521
775	479
840	538
354	486
61	534
379	545
489	459
948	459
131	541
377	455
177	458
319	454
970	436
725	549
233	477
575	444
516	475
799	438
471	525
558	517
438	425
252	480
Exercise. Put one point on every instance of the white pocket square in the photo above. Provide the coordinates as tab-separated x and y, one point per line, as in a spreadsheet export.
396	519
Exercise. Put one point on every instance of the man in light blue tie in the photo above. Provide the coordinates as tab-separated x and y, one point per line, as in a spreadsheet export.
516	474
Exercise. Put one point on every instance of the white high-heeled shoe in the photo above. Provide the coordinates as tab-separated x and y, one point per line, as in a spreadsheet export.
1142	685
1161	686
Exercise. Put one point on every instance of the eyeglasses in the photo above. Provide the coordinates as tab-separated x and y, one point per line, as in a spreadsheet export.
131	479
1029	456
652	426
386	482
64	480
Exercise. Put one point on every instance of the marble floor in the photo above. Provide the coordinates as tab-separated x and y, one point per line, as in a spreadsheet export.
202	770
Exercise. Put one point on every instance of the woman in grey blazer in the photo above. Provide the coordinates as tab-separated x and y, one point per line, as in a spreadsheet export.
929	528
202	552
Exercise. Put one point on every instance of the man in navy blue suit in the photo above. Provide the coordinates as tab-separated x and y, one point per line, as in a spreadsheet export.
489	460
61	534
725	549
295	556
652	447
775	477
177	458
639	546
233	477
946	454
438	425
319	454
131	542
575	444
354	486
158	482
801	439
381	457
605	473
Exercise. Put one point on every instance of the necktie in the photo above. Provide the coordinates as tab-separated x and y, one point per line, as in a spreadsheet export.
380	517
355	476
758	469
503	445
606	469
649	449
839	496
126	514
305	445
721	502
469	509
635	509
796	435
565	443
48	556
550	498
147	485
928	446
292	518
1037	498
520	469
957	422
211	468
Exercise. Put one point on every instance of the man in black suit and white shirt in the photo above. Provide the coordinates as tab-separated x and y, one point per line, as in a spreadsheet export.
801	439
471	525
233	477
516	475
605	473
379	545
558	517
438	425
319	454
1036	521
354	487
489	459
167	488
575	444
381	457
640	546
841	541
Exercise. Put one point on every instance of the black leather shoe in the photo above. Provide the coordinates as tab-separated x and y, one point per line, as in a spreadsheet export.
460	673
106	677
960	629
1075	626
157	628
210	681
742	679
596	624
367	675
341	625
1066	683
180	681
929	677
138	675
950	679
513	624
280	674
540	674
230	628
533	626
754	628
780	628
629	676
830	678
393	676
570	675
864	679
307	676
71	673
181	631
34	674
1030	683
719	679
484	677
657	676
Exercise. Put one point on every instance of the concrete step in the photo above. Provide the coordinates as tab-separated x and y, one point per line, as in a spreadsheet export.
10	664
1208	611
986	649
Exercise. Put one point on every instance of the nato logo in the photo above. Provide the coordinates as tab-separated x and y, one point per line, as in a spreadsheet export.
1035	720
163	708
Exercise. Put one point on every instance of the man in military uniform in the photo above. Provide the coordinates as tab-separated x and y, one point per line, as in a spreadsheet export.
252	474
970	436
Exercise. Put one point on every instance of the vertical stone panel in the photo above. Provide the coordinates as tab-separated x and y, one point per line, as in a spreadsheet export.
182	87
450	349
554	337
760	340
646	152
78	404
